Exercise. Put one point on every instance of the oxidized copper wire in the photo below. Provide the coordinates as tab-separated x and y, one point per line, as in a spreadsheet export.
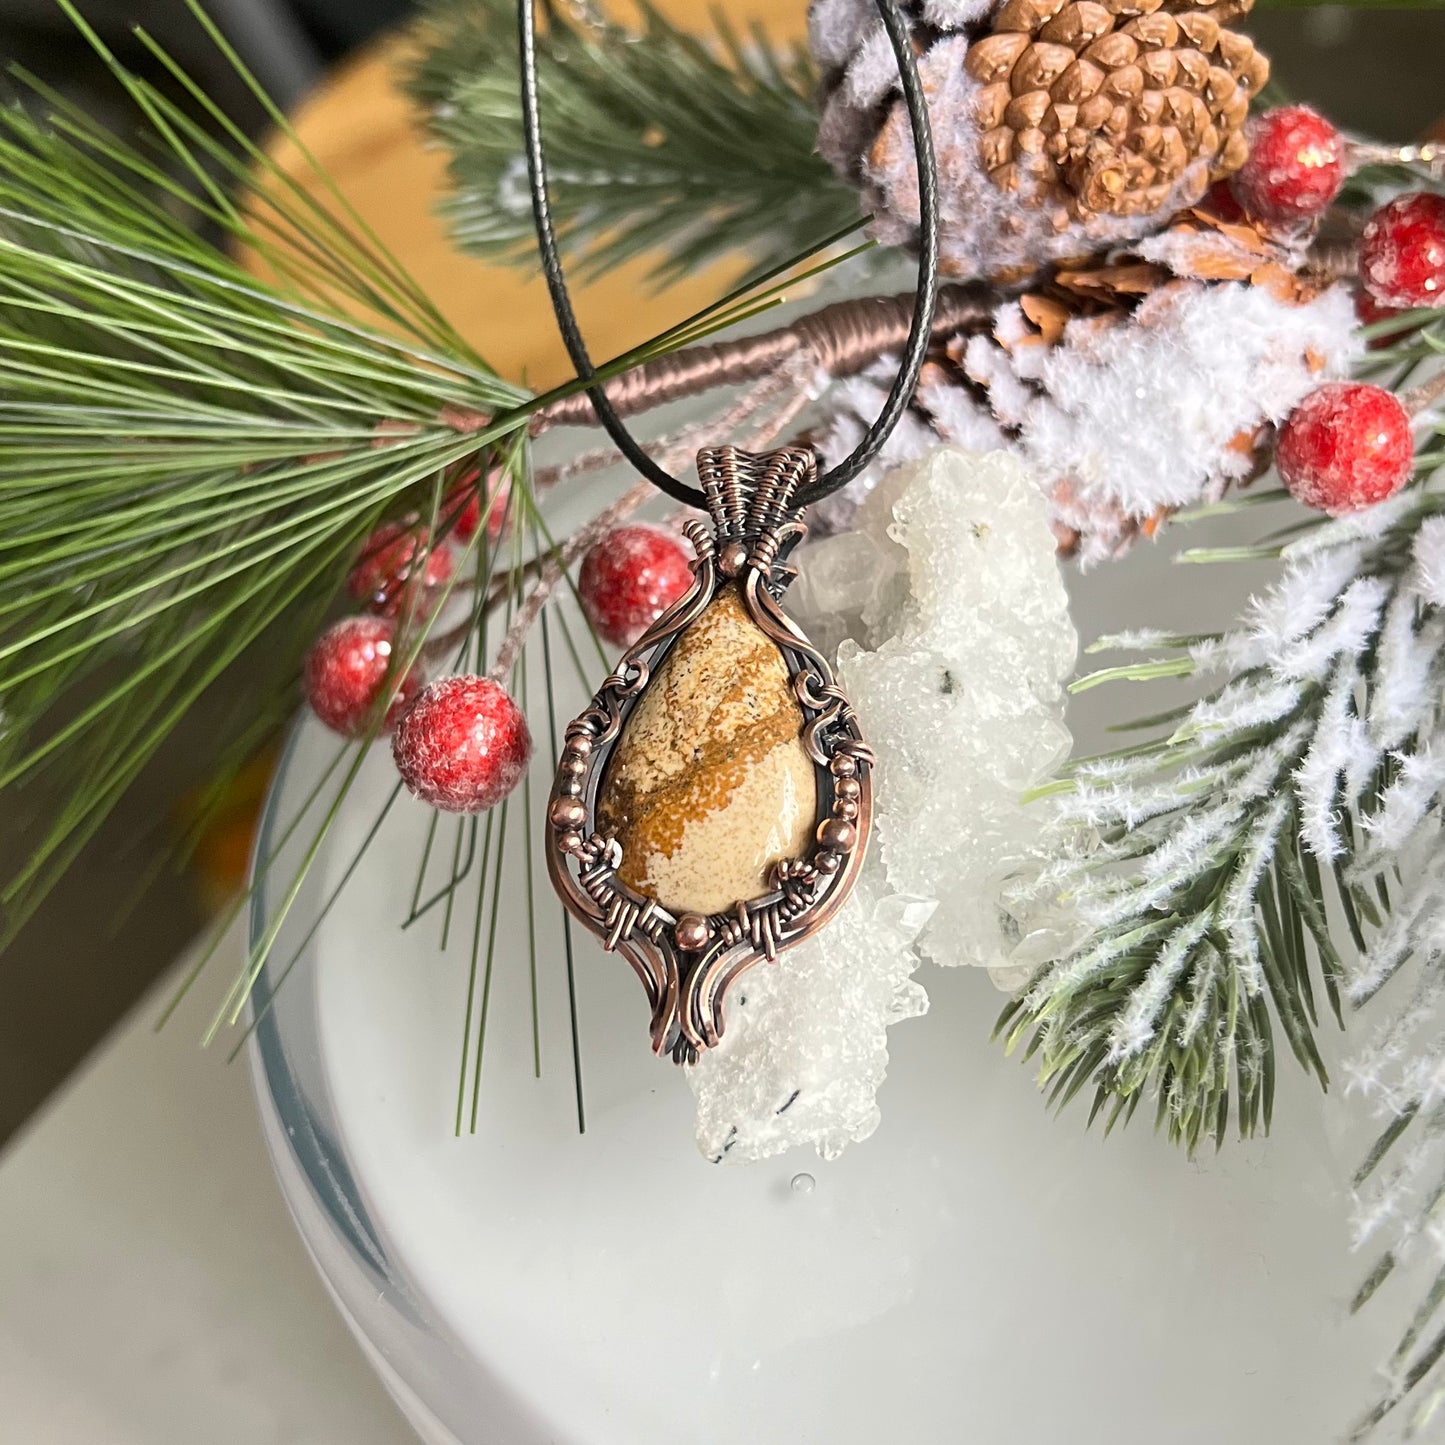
688	963
839	340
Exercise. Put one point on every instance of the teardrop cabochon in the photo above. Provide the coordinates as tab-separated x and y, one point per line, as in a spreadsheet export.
709	784
712	805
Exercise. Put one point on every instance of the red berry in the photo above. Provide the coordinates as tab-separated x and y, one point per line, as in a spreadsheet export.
1402	253
1346	446
346	670
1219	201
382	577
1368	312
1295	167
630	578
468	494
463	745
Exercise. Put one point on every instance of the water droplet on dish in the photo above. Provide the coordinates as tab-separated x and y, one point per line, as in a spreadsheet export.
803	1183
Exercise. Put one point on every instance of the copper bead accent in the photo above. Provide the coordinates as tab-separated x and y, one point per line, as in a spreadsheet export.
692	932
837	835
567	813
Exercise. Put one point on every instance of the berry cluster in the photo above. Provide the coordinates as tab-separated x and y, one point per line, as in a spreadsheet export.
461	743
1347	445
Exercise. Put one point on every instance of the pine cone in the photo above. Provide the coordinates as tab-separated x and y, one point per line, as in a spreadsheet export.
1062	126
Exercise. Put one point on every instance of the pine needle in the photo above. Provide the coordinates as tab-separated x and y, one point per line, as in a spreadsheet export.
187	454
190	454
659	141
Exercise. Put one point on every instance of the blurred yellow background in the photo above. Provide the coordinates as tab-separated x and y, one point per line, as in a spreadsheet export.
366	134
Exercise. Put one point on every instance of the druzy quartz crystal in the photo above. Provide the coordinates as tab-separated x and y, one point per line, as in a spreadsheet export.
947	614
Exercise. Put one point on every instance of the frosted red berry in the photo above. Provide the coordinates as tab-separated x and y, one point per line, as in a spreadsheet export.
1296	165
1346	446
630	578
1369	312
346	670
1220	200
383	577
470	496
463	744
1402	251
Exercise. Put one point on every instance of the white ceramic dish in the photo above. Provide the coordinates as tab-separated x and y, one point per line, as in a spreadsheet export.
978	1271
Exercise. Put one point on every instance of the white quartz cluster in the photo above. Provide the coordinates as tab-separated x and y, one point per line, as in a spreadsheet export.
951	629
806	1049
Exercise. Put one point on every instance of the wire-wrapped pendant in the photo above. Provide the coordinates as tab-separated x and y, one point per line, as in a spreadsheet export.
712	804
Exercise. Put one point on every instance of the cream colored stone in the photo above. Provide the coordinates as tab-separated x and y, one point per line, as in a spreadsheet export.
710	784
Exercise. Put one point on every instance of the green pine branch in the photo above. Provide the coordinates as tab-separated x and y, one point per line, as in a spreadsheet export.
1268	860
658	142
1159	1005
190	456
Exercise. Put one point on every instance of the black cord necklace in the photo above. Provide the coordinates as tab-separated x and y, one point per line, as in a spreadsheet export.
712	805
914	352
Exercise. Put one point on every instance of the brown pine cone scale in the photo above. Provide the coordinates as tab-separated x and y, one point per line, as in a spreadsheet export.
1062	126
1110	104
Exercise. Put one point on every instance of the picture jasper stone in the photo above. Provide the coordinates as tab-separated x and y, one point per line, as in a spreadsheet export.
710	784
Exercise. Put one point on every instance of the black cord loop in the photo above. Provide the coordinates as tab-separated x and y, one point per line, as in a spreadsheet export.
920	332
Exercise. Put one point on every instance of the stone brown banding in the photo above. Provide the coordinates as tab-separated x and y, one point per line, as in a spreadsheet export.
710	784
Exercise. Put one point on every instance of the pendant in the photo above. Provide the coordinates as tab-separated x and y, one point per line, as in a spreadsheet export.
712	804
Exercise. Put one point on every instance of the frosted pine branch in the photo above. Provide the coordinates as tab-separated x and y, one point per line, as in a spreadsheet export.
1399	1203
1205	867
